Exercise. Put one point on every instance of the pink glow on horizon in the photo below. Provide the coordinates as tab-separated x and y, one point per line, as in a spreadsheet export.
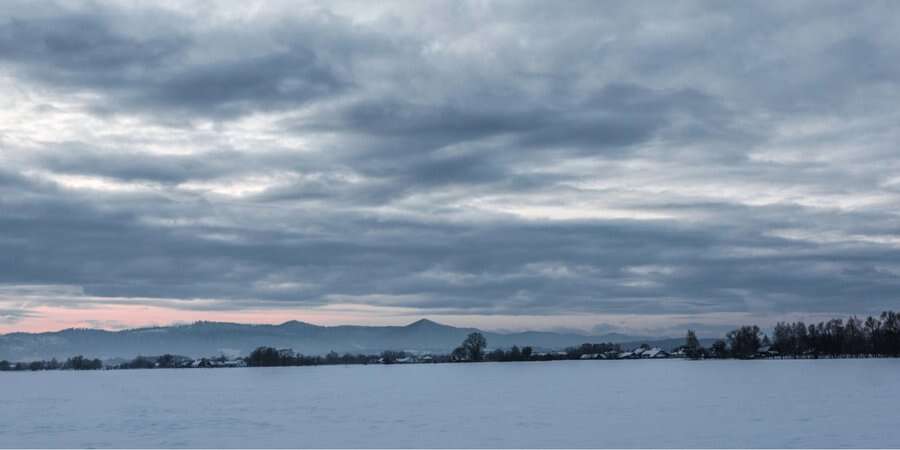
114	317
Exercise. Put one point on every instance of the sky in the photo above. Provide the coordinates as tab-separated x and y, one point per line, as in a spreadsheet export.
637	167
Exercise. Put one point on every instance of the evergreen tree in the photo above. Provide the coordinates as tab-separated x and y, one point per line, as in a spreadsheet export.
692	347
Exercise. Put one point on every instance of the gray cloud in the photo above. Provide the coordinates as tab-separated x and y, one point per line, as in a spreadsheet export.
482	267
135	166
597	159
174	72
79	48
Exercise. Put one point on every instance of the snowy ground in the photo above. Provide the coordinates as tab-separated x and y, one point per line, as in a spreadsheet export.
840	403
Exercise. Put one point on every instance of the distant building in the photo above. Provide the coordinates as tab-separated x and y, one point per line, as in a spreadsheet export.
654	353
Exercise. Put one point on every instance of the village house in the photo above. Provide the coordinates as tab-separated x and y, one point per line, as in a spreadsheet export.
654	353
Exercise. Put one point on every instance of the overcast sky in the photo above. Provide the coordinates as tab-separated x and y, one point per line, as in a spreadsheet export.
600	166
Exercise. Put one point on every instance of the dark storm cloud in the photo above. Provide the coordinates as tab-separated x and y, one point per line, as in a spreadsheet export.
226	89
520	159
396	118
136	166
500	141
604	122
79	159
82	49
171	70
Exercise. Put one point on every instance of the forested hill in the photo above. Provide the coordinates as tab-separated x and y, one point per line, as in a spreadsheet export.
211	338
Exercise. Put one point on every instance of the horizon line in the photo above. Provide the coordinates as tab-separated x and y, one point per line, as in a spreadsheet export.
277	324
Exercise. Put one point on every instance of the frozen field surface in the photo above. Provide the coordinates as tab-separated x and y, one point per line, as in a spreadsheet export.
669	403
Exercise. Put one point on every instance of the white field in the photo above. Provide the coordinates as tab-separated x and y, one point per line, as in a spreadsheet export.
670	403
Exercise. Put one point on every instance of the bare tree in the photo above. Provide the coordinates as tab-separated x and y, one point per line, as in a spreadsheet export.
474	346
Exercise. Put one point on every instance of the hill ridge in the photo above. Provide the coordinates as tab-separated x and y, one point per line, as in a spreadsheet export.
206	338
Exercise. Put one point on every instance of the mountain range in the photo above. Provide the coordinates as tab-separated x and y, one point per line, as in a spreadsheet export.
213	338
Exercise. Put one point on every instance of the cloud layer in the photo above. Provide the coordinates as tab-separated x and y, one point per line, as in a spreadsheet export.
497	159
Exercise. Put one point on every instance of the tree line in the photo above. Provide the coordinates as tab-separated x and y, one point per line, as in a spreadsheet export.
875	336
835	338
272	357
74	363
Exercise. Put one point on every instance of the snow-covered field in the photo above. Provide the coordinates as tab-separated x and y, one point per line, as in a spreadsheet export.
671	403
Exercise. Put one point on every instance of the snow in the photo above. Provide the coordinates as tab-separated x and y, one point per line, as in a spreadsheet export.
679	403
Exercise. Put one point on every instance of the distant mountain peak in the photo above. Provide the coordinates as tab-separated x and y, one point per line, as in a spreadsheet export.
425	323
296	323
